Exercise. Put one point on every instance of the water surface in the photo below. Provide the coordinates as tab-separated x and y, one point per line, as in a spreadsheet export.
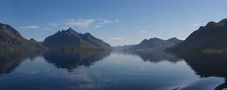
111	71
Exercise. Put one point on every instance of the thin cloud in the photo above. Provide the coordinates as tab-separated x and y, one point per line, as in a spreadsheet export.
80	22
29	27
98	26
117	21
196	25
117	39
107	21
83	23
104	21
53	24
47	28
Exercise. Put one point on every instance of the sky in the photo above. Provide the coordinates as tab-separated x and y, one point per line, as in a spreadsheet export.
117	22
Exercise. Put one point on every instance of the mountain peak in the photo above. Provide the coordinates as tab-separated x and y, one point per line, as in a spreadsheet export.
210	24
5	27
72	39
150	40
70	30
155	38
223	21
8	30
216	24
11	38
144	40
174	40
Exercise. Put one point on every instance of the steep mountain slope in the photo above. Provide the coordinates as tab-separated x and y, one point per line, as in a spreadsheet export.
11	39
212	36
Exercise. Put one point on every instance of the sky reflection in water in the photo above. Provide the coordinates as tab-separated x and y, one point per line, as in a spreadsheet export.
111	71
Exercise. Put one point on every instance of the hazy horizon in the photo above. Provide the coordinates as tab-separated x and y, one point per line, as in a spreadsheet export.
117	22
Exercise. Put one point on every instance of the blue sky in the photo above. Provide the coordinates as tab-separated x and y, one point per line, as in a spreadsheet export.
117	22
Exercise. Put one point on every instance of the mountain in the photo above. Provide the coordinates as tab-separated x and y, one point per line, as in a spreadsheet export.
211	37
11	39
174	40
155	44
70	39
123	47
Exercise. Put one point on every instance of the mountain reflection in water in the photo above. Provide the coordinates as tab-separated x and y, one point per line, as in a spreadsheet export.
111	73
9	60
206	65
72	60
155	56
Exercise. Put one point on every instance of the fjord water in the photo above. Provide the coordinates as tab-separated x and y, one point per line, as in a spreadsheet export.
104	70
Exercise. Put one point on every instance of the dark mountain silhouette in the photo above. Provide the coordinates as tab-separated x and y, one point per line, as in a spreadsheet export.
155	44
212	36
11	39
72	39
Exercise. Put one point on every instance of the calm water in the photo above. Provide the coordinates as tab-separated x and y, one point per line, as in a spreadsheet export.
111	71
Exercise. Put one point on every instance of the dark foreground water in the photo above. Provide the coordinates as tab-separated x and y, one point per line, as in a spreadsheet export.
111	71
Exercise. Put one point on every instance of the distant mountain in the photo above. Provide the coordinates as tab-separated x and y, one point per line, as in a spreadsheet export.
71	39
123	47
155	44
11	39
174	40
210	37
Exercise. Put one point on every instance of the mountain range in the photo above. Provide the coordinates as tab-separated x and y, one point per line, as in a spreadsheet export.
208	38
10	38
154	44
71	39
